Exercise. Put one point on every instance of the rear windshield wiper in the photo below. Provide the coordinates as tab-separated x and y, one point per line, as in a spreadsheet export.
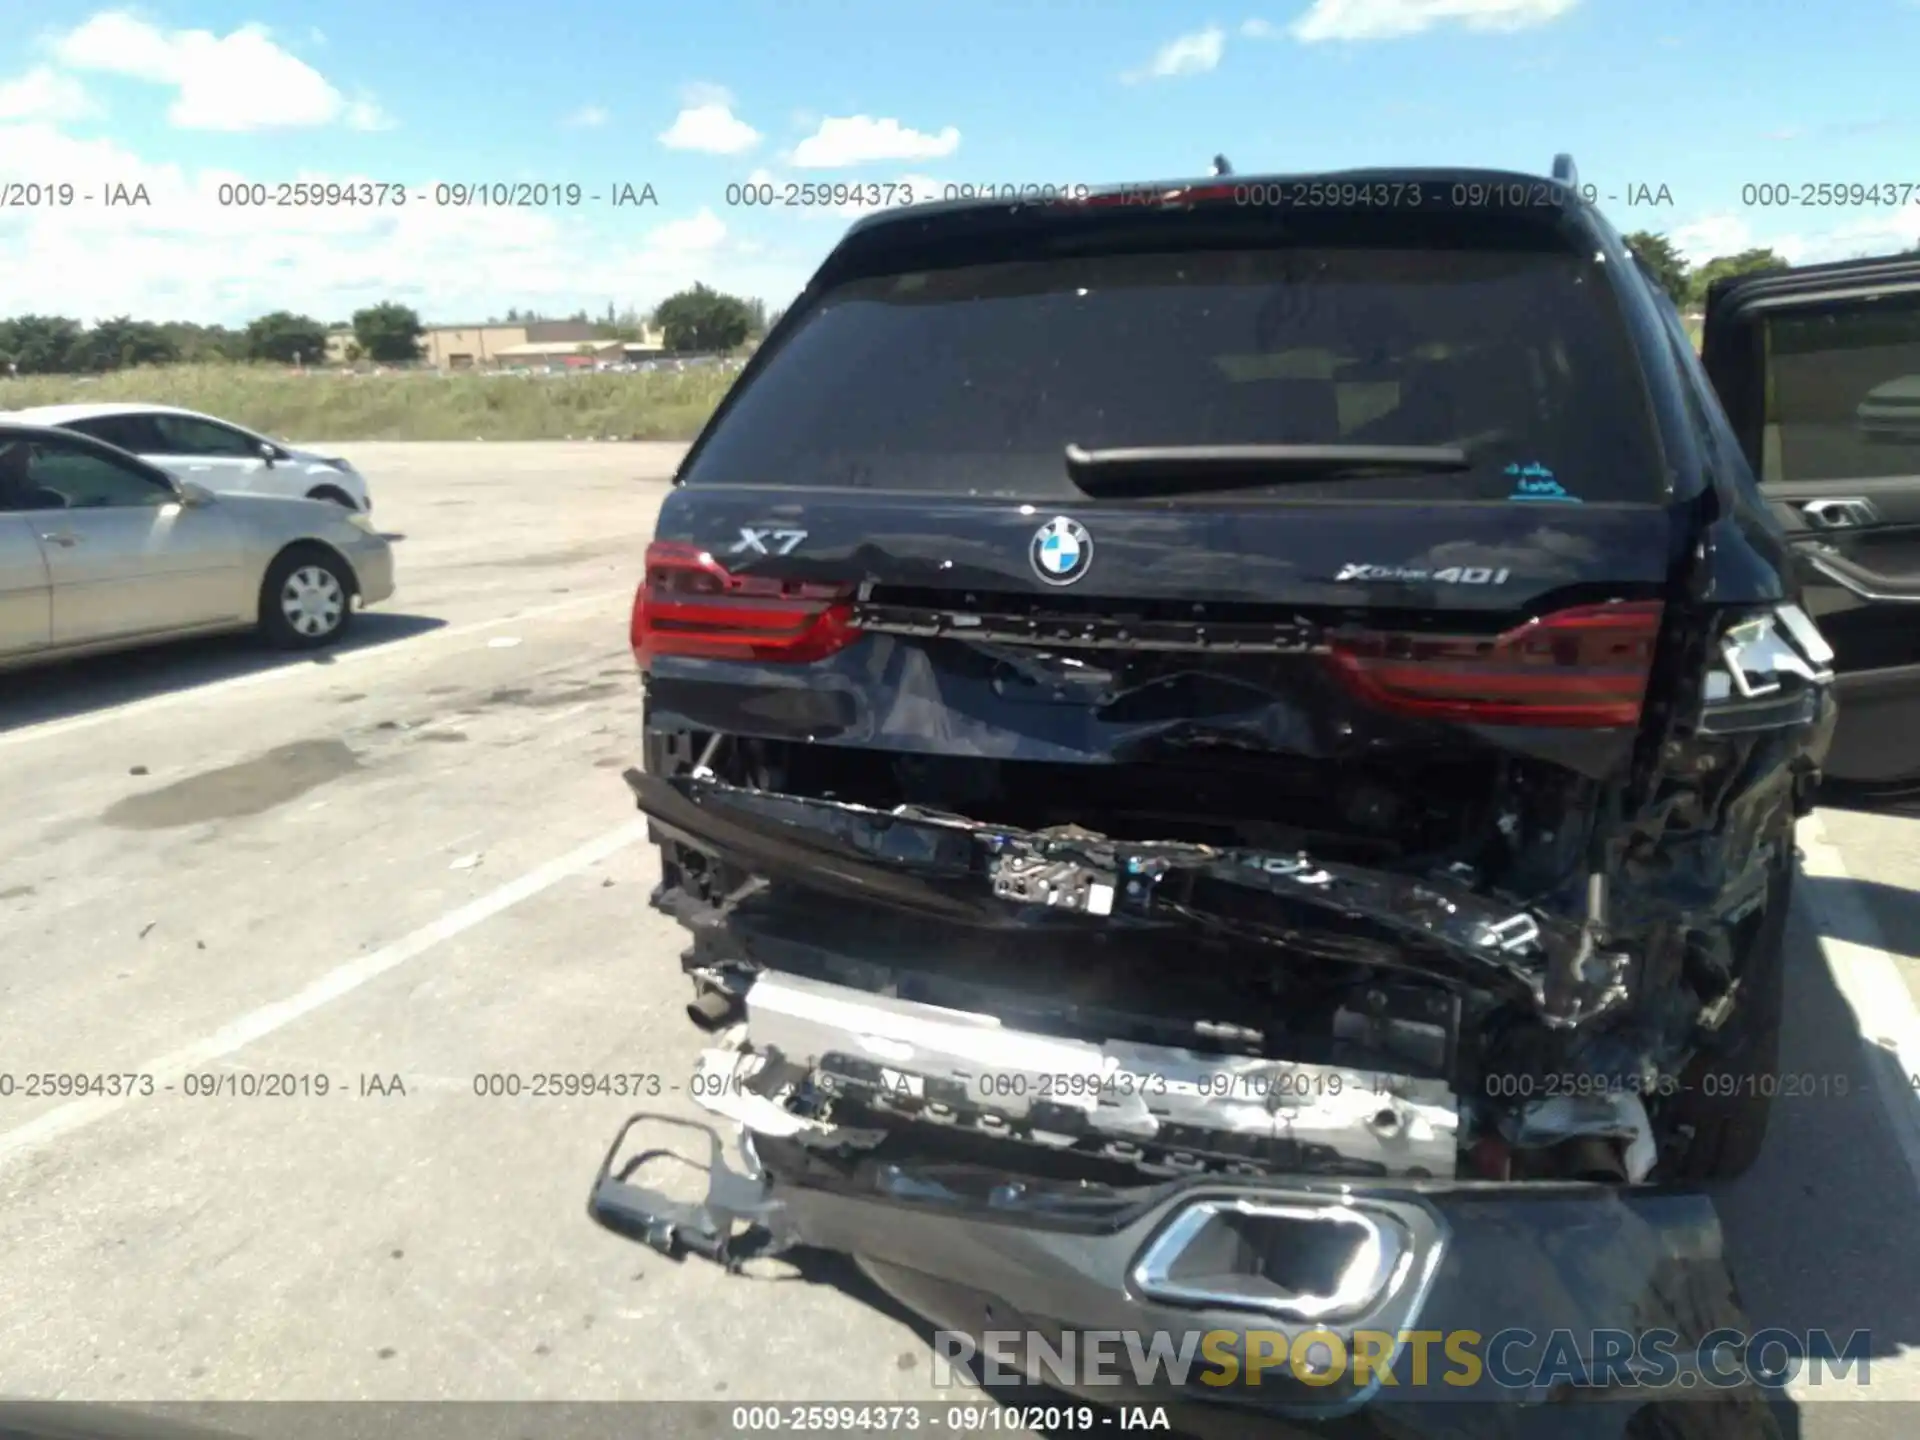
1188	469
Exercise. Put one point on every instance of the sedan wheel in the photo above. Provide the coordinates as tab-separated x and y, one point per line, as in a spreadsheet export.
306	599
313	602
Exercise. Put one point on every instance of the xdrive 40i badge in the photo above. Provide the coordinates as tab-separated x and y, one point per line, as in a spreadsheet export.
1403	575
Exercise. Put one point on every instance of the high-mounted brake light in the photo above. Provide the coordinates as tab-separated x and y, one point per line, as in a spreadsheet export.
1583	668
689	603
1154	195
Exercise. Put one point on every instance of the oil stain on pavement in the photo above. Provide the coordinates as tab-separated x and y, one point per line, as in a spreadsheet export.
250	787
534	700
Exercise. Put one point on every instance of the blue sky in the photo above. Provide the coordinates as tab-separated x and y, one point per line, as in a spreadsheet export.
1702	98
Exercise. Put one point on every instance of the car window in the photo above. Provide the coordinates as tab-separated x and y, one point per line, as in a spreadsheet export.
185	435
79	478
1843	392
133	433
13	475
975	379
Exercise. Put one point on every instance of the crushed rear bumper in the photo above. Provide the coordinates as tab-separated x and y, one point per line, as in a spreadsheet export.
1459	1292
973	1249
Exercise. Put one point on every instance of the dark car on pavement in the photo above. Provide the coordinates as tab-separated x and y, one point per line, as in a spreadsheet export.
1229	753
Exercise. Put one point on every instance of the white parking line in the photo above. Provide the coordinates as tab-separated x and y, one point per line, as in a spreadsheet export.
64	1120
405	645
1869	980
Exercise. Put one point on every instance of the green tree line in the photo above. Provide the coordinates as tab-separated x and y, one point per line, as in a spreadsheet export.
57	345
700	319
1688	284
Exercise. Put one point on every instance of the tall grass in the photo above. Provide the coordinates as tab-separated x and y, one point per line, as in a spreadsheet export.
404	405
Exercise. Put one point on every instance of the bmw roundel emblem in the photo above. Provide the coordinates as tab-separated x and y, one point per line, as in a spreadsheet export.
1061	551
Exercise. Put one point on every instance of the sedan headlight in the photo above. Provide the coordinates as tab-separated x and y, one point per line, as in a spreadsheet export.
361	521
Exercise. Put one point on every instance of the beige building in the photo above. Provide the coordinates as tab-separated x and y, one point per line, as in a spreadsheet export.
465	347
462	347
548	352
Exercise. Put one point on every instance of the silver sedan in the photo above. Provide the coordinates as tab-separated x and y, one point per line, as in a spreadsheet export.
100	550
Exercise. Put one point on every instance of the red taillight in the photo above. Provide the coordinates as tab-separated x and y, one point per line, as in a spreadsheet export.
690	604
1583	668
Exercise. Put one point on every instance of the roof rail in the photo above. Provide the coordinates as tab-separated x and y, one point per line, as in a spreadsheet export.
1220	166
1565	171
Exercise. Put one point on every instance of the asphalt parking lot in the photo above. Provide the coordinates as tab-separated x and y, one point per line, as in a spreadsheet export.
412	862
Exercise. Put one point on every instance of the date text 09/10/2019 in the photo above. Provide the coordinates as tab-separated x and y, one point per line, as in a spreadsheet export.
235	1084
444	194
197	1084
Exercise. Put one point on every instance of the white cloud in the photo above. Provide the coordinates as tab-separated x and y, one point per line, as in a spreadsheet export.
238	81
364	114
587	117
1193	54
1259	29
861	140
695	235
43	93
122	44
1729	233
1700	240
761	176
1391	19
188	257
711	128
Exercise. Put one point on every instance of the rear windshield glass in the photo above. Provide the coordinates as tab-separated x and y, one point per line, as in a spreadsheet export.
1843	392
974	380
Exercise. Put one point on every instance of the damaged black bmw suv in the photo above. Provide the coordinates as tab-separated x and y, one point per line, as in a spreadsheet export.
1227	749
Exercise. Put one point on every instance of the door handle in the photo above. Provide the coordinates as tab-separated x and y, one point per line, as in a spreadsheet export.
63	537
1839	514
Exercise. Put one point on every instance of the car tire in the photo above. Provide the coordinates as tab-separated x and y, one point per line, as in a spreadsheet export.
306	600
1727	1092
333	493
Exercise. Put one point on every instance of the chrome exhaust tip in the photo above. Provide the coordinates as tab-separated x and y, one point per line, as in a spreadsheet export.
1316	1262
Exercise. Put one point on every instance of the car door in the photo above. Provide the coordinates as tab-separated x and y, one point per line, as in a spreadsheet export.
26	603
205	451
125	557
1819	371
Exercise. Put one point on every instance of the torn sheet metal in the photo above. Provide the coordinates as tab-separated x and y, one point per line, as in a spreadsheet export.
723	1082
736	1221
1615	1115
978	873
